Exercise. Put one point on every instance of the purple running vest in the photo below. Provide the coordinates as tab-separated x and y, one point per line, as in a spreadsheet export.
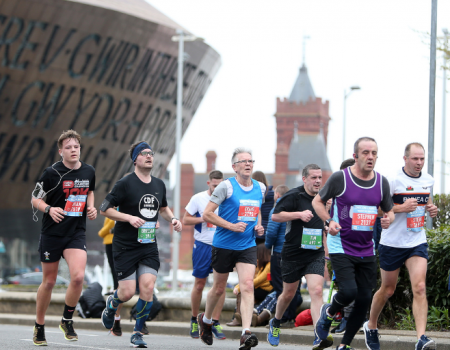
353	241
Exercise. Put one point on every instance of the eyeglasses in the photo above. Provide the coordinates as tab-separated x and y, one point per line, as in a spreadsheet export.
245	162
147	153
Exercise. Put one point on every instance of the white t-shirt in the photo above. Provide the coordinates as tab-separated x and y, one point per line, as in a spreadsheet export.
407	229
203	232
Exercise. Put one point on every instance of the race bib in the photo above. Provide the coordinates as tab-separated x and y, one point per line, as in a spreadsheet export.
75	205
248	210
311	238
210	227
146	233
416	219
364	217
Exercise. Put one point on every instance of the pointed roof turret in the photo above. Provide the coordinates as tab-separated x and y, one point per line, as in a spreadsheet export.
302	90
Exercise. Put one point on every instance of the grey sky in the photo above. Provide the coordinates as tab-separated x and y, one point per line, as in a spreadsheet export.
373	44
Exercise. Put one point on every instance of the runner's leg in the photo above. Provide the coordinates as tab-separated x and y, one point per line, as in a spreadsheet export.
76	260
44	293
289	290
246	273
215	293
219	306
196	295
315	285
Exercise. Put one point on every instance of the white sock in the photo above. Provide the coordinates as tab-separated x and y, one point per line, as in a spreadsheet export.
207	320
117	318
245	329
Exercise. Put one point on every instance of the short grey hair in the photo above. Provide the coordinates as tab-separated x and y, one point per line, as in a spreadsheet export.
306	169
240	150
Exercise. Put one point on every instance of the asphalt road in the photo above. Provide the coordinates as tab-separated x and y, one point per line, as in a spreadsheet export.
20	337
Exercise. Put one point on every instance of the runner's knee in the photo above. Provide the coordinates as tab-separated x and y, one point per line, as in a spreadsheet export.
199	285
419	289
315	291
247	286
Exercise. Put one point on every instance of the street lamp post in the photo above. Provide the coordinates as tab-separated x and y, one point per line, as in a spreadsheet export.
444	97
181	37
346	95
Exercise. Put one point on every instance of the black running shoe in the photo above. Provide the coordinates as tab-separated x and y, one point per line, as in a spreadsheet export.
206	335
116	330
39	336
67	328
248	341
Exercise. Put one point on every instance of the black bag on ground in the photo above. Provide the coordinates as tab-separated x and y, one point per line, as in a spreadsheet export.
91	303
154	311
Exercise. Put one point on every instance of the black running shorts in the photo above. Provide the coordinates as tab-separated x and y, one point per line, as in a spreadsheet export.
224	260
362	270
51	248
126	261
293	271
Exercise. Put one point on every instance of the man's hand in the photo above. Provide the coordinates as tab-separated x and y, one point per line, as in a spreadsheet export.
57	214
91	213
239	227
306	215
334	228
135	221
410	205
157	224
177	225
235	291
385	221
328	205
259	230
432	209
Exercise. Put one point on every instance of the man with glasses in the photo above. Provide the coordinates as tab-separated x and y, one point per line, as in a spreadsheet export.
140	198
239	201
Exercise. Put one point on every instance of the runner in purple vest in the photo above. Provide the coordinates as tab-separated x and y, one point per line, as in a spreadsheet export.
358	192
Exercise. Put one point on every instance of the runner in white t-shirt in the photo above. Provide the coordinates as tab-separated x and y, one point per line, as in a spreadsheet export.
201	253
405	242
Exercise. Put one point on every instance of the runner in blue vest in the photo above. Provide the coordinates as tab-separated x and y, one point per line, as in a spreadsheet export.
239	201
357	192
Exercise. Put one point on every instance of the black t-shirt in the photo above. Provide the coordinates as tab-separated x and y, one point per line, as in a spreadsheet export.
336	185
136	198
297	199
77	183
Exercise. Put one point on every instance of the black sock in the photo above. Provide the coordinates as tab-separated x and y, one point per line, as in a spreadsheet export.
68	312
194	318
276	322
39	325
215	321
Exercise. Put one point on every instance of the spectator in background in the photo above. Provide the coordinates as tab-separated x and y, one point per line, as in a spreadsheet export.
262	286
267	205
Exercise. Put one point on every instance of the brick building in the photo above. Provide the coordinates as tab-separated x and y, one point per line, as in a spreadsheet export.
302	132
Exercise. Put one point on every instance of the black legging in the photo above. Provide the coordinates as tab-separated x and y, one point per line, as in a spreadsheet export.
348	291
109	255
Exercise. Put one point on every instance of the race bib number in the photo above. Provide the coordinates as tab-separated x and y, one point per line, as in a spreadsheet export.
364	217
75	205
248	210
210	227
311	239
416	219
146	233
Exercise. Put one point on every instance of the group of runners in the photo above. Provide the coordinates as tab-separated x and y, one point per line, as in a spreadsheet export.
335	220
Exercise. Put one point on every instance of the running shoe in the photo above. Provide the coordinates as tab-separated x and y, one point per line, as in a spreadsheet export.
371	337
274	334
425	343
217	331
108	314
340	329
346	347
320	344
137	341
39	336
67	328
205	330
248	341
323	323
116	329
194	329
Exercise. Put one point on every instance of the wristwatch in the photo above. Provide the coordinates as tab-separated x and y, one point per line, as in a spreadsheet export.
174	218
327	222
47	209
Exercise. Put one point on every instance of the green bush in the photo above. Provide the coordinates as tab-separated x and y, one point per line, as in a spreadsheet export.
438	319
442	201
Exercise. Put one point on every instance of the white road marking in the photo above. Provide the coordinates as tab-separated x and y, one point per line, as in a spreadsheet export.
75	346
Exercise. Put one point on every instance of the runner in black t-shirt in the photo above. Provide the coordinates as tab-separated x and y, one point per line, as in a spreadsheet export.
303	250
139	197
68	187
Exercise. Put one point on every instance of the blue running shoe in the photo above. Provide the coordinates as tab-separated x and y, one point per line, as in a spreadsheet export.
108	314
323	324
137	341
425	343
217	331
194	329
320	344
372	337
274	334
